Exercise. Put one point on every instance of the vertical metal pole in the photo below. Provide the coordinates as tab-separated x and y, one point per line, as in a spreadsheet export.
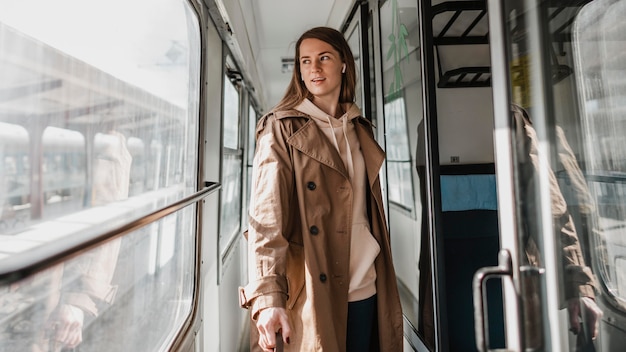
503	147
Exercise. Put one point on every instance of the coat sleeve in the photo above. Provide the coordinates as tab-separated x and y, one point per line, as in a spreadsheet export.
272	186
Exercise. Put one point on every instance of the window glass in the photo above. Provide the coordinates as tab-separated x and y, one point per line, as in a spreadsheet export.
401	71
231	169
231	199
598	43
143	278
355	46
399	170
231	115
98	127
403	111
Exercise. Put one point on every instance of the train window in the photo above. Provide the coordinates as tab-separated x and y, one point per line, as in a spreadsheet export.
399	171
355	45
150	286
598	41
232	169
399	81
99	108
231	115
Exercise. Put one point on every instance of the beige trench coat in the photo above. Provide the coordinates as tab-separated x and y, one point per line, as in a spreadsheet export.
299	235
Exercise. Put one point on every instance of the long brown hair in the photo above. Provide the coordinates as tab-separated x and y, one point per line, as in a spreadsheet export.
297	91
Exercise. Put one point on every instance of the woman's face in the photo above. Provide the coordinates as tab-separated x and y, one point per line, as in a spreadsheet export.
320	67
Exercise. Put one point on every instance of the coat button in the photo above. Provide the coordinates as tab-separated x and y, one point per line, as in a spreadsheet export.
314	230
311	185
323	277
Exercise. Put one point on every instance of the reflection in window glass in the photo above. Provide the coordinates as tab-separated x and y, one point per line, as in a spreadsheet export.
144	278
90	123
97	128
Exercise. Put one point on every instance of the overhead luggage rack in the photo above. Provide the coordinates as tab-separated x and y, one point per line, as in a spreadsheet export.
466	23
461	23
465	77
561	15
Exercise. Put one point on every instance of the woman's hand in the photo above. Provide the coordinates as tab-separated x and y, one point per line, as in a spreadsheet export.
587	309
66	326
270	321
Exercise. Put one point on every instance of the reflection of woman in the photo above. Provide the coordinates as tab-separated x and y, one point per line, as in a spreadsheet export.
87	280
578	280
320	261
48	311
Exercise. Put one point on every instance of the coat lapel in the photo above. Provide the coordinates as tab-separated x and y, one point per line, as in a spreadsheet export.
311	141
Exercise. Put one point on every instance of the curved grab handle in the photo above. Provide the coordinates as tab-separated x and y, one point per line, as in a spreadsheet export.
481	276
279	342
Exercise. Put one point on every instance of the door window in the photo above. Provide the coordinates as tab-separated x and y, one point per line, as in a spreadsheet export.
598	44
567	74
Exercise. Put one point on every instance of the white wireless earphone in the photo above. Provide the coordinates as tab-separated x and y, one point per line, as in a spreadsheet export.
343	69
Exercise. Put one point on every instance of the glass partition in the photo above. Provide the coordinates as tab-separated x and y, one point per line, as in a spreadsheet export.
403	112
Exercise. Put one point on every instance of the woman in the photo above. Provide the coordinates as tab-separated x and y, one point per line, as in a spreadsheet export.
321	270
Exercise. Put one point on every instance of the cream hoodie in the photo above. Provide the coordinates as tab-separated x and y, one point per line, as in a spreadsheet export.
363	247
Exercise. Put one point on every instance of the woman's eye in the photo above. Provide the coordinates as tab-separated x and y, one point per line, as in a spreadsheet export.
324	58
304	62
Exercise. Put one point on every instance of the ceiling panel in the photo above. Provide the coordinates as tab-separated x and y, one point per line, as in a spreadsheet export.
279	24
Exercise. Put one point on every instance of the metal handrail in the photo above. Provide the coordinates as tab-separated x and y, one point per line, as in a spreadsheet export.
44	257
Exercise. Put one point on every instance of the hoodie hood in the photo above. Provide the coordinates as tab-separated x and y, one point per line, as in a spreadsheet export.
322	118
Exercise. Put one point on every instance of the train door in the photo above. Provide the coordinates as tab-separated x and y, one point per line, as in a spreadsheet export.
558	87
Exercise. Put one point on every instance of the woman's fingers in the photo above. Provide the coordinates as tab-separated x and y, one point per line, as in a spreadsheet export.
286	329
270	321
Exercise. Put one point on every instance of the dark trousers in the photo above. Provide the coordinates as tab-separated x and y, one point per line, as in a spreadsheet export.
361	324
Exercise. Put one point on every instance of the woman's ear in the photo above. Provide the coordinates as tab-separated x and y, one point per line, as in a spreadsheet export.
343	68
